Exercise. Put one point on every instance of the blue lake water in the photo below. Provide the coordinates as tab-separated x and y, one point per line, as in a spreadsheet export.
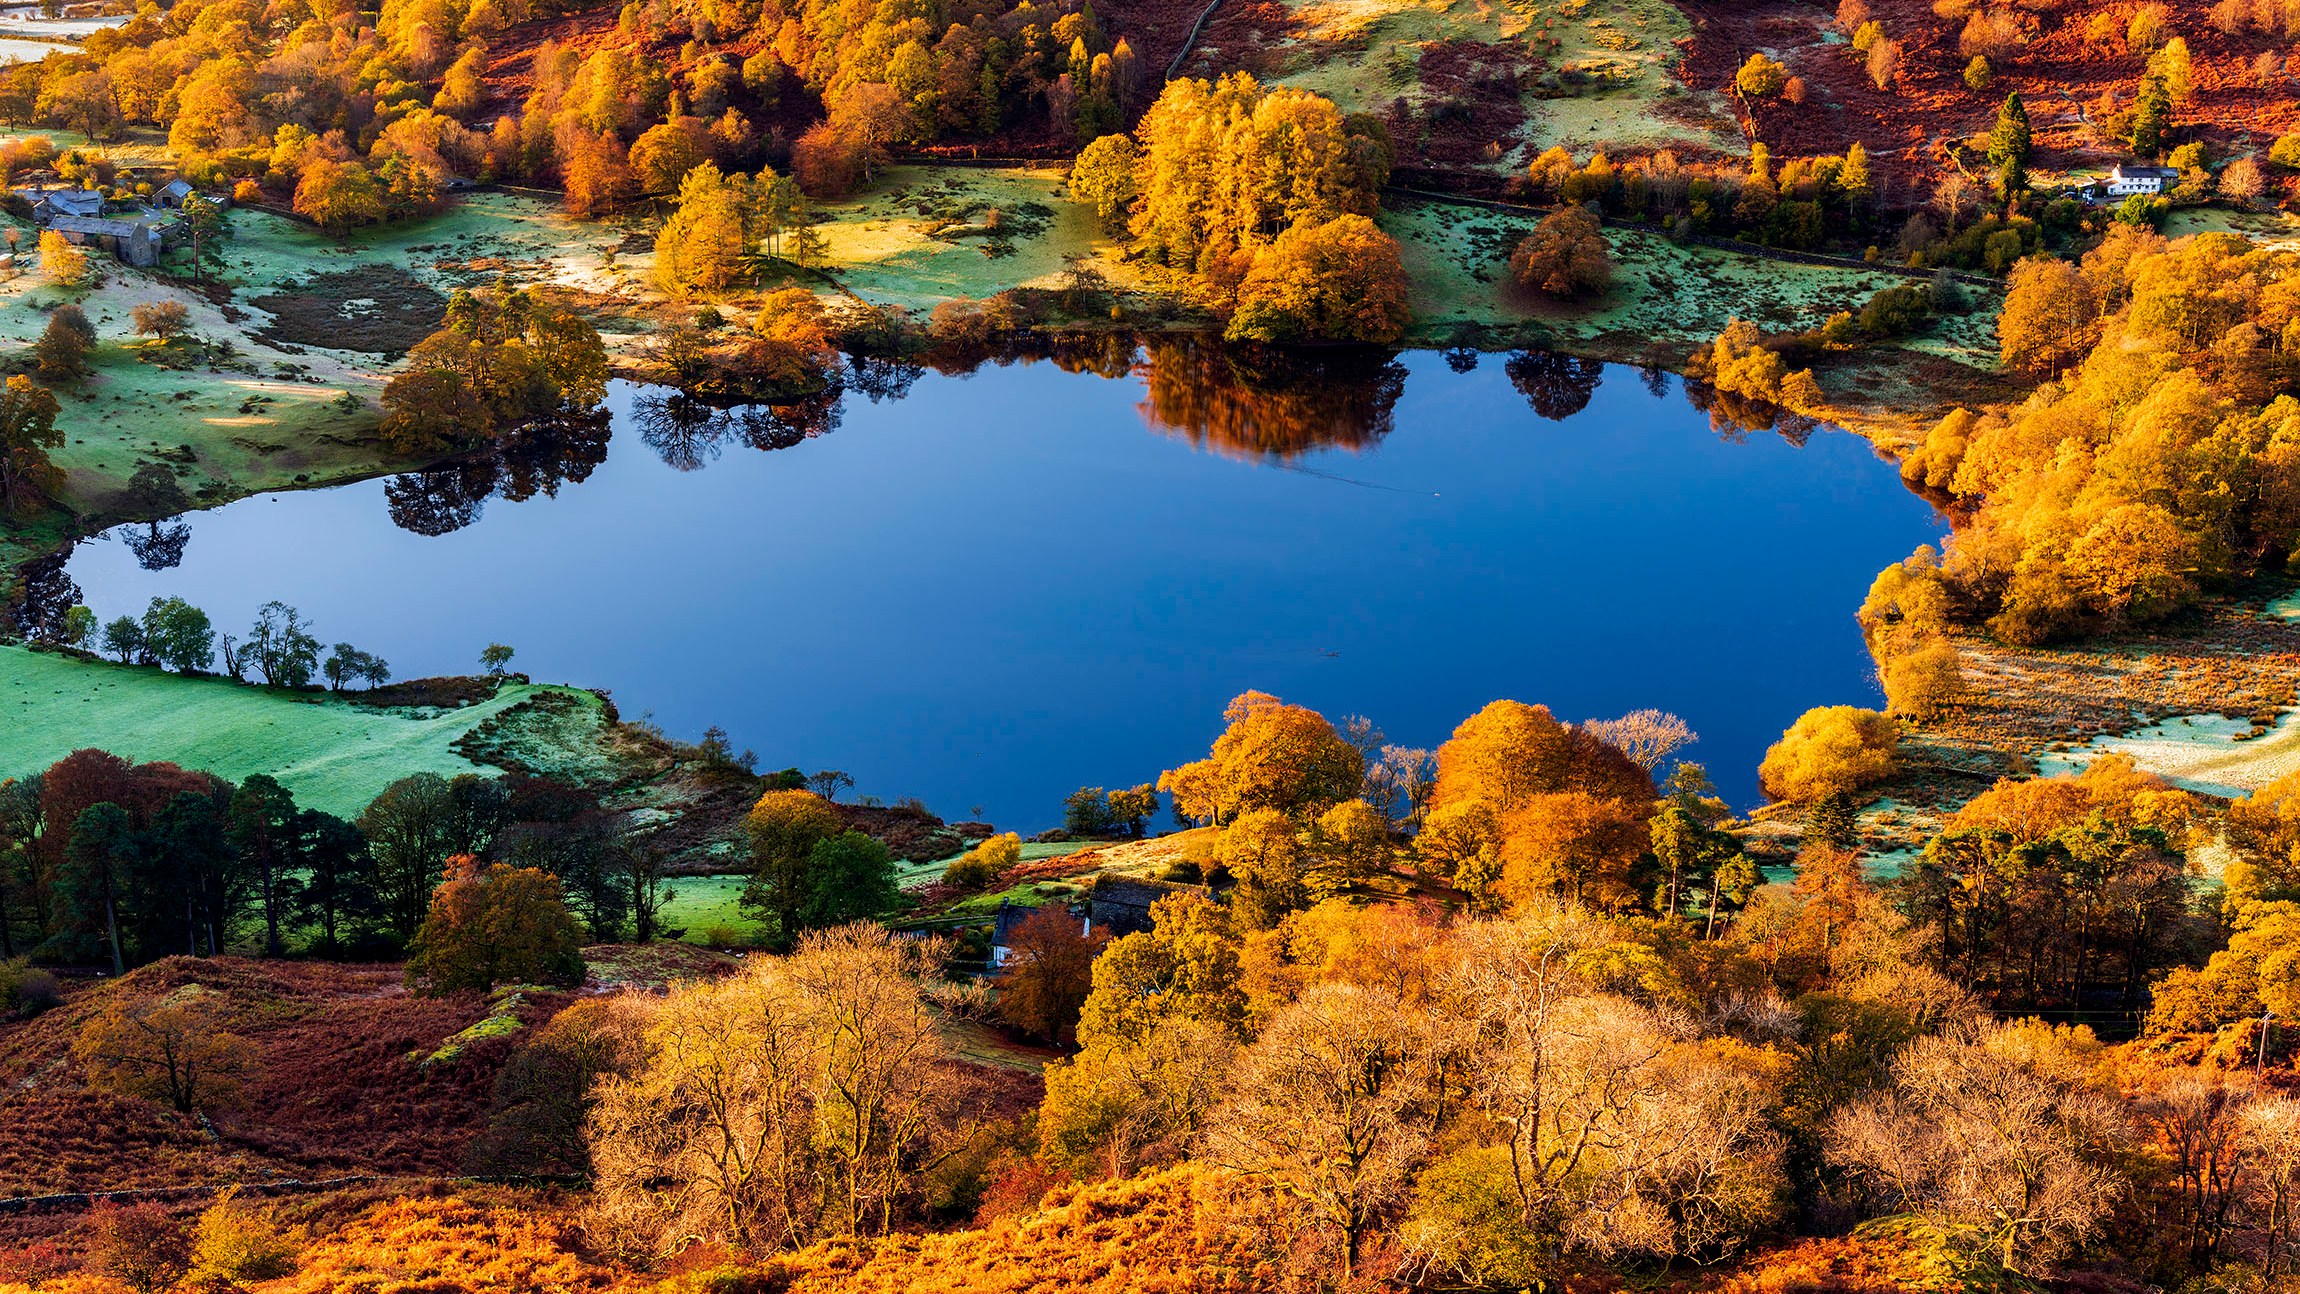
1006	585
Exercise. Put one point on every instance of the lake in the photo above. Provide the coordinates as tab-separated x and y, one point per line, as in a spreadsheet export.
986	590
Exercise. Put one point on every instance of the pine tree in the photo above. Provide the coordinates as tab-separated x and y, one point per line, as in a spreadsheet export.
2009	140
2151	117
1830	822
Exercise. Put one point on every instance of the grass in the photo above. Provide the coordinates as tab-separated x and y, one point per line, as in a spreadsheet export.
708	907
1362	54
883	247
1676	295
333	754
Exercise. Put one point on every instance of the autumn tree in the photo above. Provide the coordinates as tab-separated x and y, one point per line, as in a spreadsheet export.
1565	256
495	925
338	196
1199	141
1760	77
1337	281
163	320
500	358
63	263
1830	750
1185	967
1271	756
662	157
1122	1103
64	344
982	865
174	1048
1048	973
595	173
28	476
1105	177
701	247
783	828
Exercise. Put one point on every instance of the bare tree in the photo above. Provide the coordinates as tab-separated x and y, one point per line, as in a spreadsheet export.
1989	1129
1646	736
1624	1134
807	1098
2268	1135
1336	1105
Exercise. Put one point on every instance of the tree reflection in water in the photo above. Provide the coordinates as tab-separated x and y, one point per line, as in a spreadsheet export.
527	460
158	547
1557	386
1250	402
1266	402
47	592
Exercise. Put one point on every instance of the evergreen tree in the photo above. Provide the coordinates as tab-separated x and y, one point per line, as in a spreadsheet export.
1830	822
2151	117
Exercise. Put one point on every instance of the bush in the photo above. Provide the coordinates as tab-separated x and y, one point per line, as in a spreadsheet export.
1837	749
236	1243
1760	77
1924	680
140	1246
1896	311
27	990
984	863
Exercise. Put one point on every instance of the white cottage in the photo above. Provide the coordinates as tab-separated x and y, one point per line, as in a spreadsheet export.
2124	181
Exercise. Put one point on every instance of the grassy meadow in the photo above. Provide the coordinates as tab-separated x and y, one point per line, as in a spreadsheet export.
334	754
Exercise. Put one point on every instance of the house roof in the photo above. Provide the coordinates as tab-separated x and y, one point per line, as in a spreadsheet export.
178	187
2148	172
110	225
76	201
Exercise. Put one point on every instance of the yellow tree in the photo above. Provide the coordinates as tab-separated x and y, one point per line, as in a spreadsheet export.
701	247
1272	756
174	1049
1337	281
338	196
63	263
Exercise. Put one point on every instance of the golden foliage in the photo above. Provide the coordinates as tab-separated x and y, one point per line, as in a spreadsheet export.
1830	750
1271	756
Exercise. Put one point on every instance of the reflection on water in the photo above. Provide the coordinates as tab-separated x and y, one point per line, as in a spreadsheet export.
974	579
1251	403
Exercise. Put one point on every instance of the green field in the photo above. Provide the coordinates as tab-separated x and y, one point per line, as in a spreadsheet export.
333	754
708	904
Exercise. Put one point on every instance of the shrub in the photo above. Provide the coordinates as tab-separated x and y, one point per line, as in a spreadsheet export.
235	1243
25	989
1977	73
1923	681
1830	750
1760	77
984	863
140	1246
2285	152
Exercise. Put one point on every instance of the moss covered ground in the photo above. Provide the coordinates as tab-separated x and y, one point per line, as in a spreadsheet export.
334	754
